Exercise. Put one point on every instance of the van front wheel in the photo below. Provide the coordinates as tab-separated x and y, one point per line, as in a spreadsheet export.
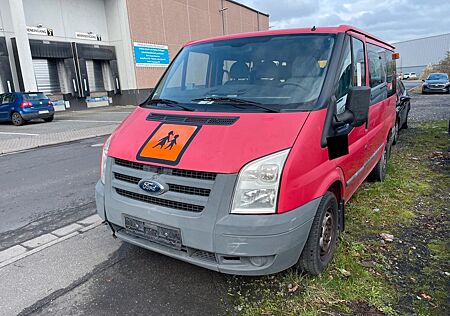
321	244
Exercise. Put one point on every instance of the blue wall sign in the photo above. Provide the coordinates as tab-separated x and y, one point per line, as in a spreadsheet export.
151	55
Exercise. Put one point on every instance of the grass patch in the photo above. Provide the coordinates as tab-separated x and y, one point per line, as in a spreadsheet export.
359	278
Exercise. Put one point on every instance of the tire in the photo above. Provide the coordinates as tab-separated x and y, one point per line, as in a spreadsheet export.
49	119
318	250
397	132
405	124
17	119
378	174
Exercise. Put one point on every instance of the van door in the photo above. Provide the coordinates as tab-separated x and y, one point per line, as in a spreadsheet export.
382	84
352	73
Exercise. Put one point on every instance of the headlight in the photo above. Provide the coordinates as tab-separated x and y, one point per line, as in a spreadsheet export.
104	158
256	191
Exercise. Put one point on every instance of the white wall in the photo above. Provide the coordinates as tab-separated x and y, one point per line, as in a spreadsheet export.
120	37
109	18
8	32
66	17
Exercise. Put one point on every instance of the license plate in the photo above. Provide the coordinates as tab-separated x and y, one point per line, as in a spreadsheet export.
161	234
43	112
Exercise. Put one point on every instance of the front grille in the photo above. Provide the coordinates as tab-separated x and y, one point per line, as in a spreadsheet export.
126	178
194	174
172	187
188	190
204	256
129	164
169	171
159	201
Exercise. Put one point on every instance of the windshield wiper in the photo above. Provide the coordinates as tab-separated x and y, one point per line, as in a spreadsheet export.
235	101
171	103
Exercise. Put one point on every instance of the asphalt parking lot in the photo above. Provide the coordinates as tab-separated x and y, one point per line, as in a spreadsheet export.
85	271
430	107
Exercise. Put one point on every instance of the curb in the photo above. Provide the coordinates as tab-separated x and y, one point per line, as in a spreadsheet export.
29	247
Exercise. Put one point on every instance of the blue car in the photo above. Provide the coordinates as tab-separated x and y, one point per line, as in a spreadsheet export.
19	107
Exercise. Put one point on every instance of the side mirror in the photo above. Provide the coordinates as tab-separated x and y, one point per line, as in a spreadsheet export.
356	107
358	102
405	98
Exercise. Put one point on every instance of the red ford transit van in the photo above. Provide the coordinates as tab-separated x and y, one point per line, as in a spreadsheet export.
244	155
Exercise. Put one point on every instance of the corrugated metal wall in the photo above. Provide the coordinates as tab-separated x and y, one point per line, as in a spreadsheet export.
2	90
95	75
421	52
46	73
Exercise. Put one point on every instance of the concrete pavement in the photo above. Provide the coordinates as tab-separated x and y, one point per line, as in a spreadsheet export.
47	188
94	274
44	191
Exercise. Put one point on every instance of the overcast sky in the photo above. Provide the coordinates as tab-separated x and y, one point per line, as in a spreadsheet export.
391	20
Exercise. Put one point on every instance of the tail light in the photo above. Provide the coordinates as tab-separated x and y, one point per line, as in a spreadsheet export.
26	105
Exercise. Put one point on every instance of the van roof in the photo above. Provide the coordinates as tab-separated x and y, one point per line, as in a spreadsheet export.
336	29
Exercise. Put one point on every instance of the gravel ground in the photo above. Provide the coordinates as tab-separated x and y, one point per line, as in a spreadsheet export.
430	107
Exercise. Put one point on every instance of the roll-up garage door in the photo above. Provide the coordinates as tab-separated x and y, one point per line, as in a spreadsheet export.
46	73
2	90
95	75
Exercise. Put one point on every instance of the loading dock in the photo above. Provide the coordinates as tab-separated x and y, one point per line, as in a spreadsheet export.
6	80
98	76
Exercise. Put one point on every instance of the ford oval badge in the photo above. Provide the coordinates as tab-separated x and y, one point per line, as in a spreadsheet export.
153	187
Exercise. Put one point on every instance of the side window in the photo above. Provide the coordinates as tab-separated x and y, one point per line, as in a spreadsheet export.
197	70
345	80
400	88
8	98
377	75
359	63
390	72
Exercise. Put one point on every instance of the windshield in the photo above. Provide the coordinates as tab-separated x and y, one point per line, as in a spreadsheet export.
275	72
437	77
36	96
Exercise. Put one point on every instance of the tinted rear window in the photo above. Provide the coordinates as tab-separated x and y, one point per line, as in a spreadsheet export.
34	96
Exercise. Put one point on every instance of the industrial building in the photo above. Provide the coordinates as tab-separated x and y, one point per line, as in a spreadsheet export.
88	53
418	53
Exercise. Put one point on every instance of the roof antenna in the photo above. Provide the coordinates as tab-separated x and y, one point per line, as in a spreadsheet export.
313	28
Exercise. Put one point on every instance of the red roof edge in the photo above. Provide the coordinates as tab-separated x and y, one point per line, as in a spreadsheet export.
336	29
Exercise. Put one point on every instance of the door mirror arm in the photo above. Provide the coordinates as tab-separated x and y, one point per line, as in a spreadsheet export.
405	98
343	119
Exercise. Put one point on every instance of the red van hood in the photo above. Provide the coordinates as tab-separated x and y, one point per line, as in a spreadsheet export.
214	148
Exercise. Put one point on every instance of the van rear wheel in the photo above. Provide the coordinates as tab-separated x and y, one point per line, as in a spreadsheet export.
321	244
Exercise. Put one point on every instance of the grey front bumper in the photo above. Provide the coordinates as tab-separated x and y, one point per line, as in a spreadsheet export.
234	244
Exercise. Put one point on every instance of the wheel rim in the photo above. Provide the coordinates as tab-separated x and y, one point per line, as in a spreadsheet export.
16	118
327	234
